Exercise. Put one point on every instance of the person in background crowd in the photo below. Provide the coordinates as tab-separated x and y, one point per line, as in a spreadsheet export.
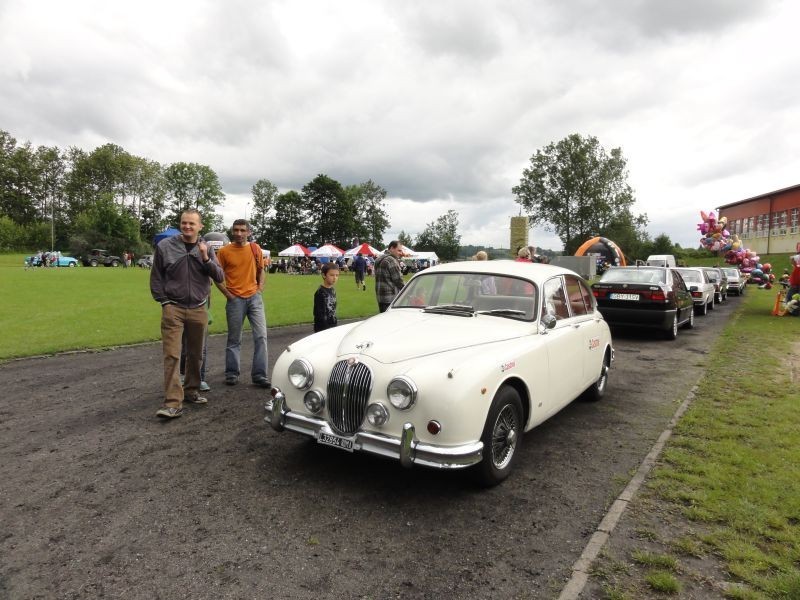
243	264
388	277
179	281
325	298
523	254
488	285
794	277
360	267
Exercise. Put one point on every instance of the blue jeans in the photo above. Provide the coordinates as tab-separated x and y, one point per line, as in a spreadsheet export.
235	312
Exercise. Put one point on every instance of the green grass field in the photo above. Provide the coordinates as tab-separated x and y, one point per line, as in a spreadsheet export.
53	310
728	483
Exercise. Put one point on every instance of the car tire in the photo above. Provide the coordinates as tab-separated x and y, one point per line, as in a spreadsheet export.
598	389
501	437
114	263
704	310
92	263
672	332
73	264
711	304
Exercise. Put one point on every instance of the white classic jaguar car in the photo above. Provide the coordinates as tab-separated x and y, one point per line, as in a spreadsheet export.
468	357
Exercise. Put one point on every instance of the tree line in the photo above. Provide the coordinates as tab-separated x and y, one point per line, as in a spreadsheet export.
110	198
75	200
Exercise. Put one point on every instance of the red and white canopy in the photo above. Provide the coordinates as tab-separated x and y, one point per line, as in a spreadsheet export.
296	250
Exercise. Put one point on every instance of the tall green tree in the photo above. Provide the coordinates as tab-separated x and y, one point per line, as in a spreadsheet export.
292	223
575	188
441	236
107	225
370	219
191	185
265	194
330	210
404	238
19	181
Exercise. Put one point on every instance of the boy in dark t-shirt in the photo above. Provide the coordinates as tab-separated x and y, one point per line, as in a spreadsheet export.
325	298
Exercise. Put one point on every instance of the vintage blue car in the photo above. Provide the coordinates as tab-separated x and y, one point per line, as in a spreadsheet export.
52	261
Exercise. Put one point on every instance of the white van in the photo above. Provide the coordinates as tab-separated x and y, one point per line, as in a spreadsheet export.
661	260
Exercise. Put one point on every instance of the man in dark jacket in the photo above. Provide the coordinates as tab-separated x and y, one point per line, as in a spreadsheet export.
388	276
179	281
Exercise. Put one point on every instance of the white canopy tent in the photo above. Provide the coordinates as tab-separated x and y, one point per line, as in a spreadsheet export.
329	251
431	257
296	250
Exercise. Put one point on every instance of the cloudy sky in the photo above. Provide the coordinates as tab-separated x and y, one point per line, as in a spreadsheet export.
441	102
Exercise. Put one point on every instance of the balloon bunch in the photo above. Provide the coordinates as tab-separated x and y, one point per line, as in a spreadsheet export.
747	261
715	237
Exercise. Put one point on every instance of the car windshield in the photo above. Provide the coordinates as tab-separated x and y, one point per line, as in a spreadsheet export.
693	276
731	272
633	275
470	293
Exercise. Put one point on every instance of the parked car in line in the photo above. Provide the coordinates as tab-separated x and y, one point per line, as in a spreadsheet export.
98	256
60	261
467	358
700	286
145	261
720	281
655	297
736	280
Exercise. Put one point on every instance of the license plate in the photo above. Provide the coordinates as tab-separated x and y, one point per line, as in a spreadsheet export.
624	296
335	440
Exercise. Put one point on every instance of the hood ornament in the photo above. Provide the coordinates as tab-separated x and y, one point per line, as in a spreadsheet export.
363	345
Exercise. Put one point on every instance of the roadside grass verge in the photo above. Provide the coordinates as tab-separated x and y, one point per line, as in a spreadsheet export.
727	486
58	309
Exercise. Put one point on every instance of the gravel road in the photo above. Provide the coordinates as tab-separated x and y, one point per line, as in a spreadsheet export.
99	499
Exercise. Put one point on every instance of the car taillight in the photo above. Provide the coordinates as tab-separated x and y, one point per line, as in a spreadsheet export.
697	294
599	293
658	296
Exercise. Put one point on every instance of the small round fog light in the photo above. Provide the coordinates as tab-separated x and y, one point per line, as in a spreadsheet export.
434	427
314	401
377	415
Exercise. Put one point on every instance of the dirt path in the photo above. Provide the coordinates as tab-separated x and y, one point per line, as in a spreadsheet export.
100	499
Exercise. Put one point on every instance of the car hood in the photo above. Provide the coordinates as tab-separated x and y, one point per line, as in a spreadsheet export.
402	334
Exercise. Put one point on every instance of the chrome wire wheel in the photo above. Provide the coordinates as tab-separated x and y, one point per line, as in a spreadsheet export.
501	437
504	437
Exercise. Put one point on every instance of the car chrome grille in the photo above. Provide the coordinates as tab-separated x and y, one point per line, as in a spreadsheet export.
349	388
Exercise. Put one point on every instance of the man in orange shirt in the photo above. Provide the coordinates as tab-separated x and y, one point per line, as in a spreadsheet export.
243	264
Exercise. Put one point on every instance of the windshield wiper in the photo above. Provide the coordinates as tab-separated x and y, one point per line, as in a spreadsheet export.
462	310
502	311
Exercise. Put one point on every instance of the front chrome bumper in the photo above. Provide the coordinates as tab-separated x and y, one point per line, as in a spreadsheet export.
407	448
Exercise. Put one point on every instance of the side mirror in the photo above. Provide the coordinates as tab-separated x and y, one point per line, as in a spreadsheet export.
549	321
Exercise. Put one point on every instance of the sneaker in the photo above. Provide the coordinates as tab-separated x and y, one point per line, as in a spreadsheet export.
262	382
231	380
204	387
196	400
364	287
169	412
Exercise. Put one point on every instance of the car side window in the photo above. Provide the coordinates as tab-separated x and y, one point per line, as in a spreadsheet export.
555	302
677	281
576	295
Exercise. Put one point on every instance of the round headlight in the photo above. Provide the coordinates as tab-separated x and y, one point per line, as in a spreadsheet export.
402	393
314	401
377	415
301	374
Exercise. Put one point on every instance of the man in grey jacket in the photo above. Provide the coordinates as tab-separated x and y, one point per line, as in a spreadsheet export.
179	280
388	276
